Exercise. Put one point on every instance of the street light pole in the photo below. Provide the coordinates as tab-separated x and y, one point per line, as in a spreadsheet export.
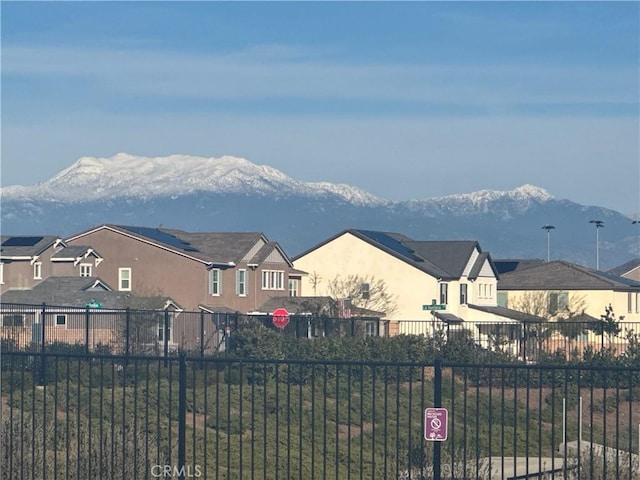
598	224
548	228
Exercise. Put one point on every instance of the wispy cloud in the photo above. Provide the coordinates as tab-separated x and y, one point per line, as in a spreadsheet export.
273	72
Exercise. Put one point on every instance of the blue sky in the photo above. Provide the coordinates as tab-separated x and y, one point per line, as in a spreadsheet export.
406	100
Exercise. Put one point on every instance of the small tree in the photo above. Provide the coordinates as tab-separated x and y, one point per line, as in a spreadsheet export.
559	312
608	325
365	292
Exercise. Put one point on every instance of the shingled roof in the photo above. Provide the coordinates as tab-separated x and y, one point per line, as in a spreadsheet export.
561	275
625	267
71	291
19	246
440	259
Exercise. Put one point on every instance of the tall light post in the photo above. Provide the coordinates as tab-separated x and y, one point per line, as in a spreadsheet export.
548	228
598	224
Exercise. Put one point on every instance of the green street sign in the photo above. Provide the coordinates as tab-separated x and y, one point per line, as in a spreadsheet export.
93	305
434	306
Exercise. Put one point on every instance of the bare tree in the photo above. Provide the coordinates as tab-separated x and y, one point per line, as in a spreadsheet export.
365	291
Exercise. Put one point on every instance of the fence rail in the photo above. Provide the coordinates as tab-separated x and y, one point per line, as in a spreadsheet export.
140	417
165	332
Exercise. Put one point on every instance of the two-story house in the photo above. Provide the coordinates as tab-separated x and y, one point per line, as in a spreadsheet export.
456	276
232	271
27	260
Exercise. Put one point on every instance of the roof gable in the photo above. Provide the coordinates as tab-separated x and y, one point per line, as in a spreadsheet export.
625	268
561	275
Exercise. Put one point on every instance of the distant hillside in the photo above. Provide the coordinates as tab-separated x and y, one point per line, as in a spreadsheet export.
231	194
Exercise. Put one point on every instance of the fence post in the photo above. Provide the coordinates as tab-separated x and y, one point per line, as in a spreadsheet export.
201	334
86	330
437	402
165	338
127	326
43	361
182	414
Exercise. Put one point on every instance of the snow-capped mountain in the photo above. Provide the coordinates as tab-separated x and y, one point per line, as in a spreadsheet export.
125	175
233	194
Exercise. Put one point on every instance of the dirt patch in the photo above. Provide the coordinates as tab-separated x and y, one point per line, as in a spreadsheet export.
350	431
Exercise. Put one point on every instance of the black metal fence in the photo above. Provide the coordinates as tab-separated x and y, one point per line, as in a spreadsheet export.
143	417
166	332
153	332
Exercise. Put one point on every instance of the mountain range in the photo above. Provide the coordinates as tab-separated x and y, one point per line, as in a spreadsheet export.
233	194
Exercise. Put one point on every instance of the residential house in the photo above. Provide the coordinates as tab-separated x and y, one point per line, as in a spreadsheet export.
27	260
76	310
563	286
209	271
433	282
630	269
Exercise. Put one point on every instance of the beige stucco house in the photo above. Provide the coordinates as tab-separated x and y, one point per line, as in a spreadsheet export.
563	285
455	275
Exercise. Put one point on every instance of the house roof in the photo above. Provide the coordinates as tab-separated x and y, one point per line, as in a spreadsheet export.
515	264
561	275
73	252
19	246
449	318
627	267
71	291
298	305
508	313
218	248
440	259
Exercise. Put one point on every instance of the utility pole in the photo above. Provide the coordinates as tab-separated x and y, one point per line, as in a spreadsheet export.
548	228
598	224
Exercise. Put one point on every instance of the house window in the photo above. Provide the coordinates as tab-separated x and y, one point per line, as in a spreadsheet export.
61	320
273	280
629	302
241	283
169	330
13	320
444	293
37	270
85	269
124	279
1	273
294	287
364	291
503	299
370	328
557	302
215	282
637	302
463	294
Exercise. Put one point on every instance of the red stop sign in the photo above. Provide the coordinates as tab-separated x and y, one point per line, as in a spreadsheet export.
280	317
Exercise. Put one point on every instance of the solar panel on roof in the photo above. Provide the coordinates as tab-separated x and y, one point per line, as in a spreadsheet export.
162	237
391	243
21	241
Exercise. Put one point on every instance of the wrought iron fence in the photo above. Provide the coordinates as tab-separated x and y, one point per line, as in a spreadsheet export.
166	332
140	417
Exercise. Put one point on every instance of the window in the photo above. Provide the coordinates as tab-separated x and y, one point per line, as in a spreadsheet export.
169	329
370	328
215	282
241	283
14	320
294	287
37	270
503	299
85	269
463	294
61	320
124	279
364	291
485	290
1	273
273	280
557	302
629	302
444	293
637	302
